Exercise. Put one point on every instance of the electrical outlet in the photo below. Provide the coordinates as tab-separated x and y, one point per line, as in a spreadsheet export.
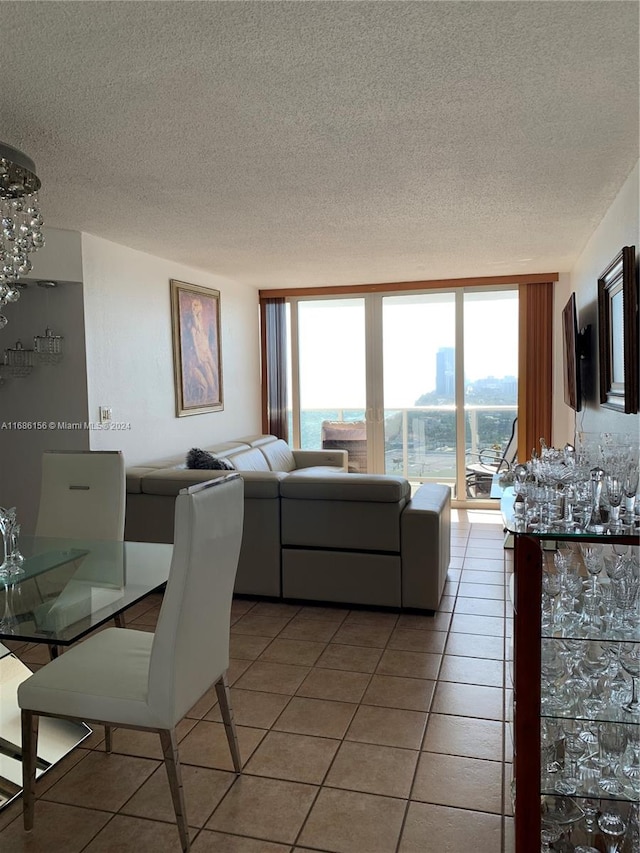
105	414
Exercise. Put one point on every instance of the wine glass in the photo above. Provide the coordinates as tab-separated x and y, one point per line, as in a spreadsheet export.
615	493
552	587
630	488
574	747
630	661
549	834
613	740
592	557
613	829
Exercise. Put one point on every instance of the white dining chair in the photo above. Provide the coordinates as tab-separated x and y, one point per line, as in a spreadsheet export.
82	494
136	679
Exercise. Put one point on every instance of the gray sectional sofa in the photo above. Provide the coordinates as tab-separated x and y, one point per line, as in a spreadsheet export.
312	530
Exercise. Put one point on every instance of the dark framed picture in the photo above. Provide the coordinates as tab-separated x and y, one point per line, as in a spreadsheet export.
618	333
197	358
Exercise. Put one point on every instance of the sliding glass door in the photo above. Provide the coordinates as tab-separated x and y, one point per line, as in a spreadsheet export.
415	384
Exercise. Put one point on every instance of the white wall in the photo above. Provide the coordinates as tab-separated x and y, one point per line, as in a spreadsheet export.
130	356
619	227
49	395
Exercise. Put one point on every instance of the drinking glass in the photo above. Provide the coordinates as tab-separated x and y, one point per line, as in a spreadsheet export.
592	557
630	487
630	662
615	493
574	747
613	829
613	740
549	834
552	587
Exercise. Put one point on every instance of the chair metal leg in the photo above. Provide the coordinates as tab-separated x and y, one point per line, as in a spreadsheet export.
107	739
224	698
172	765
29	754
118	620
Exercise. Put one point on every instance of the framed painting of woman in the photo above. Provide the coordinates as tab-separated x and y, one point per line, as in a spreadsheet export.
195	315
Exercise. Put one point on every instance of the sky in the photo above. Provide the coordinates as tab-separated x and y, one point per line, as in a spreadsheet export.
415	327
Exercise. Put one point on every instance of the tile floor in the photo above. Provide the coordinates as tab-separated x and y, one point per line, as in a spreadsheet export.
361	732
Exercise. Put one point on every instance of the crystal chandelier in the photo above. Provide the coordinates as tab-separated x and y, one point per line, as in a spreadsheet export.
21	232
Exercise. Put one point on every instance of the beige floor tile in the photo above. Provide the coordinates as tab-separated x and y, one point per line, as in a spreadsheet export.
475	646
220	842
240	606
481	590
373	618
486	578
101	781
413	694
409	664
247	646
409	640
57	828
472	671
204	704
298	758
316	717
363	634
271	809
126	834
453	573
348	822
468	700
387	727
145	744
509	835
262	626
467	736
334	684
449	830
480	606
490	558
148	617
453	780
374	769
491	626
304	628
203	790
437	622
330	614
275	608
447	603
450	588
353	658
273	677
252	708
206	745
235	670
302	652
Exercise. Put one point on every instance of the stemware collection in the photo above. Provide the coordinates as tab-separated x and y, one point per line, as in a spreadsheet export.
590	640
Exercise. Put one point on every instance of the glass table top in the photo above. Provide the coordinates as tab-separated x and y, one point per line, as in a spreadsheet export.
70	586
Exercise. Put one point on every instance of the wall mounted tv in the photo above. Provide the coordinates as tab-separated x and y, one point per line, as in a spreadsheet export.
571	355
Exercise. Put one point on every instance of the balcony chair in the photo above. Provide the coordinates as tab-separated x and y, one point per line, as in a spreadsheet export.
139	680
490	461
82	495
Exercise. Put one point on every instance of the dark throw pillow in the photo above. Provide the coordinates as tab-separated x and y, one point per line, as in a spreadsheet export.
197	458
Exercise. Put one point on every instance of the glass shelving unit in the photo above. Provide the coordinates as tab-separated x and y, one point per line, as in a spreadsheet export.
539	640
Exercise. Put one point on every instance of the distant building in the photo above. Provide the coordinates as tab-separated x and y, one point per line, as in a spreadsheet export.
445	372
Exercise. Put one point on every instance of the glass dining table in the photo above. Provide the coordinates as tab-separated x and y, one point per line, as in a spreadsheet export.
66	588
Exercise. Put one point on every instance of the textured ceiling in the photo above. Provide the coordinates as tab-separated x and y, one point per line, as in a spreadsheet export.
310	143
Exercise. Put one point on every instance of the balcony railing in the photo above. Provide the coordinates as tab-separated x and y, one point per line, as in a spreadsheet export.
420	441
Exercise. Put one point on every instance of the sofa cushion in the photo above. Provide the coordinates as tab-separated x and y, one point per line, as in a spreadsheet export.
197	458
248	460
331	485
257	440
278	455
169	481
